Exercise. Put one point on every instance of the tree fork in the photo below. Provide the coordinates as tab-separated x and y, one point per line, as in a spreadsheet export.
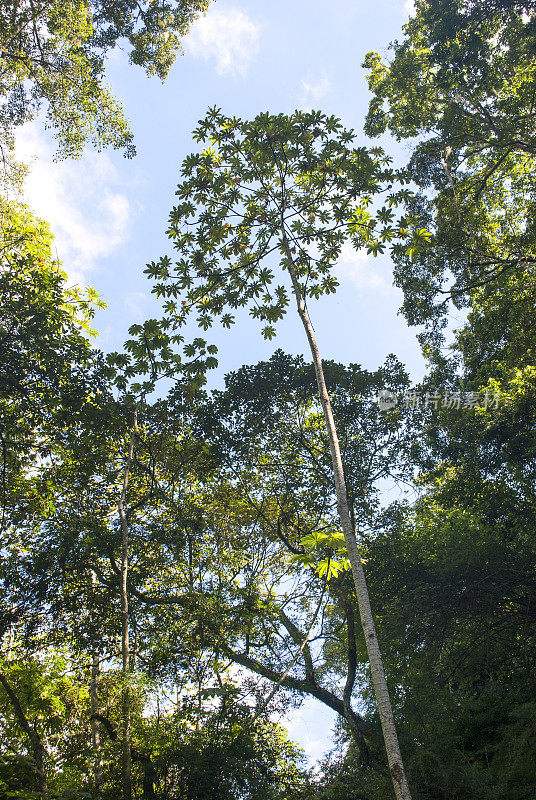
392	747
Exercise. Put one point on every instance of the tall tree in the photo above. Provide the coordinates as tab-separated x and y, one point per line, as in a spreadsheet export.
125	621
455	596
48	374
460	86
287	192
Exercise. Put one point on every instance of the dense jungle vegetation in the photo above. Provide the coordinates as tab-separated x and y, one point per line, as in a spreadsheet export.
177	563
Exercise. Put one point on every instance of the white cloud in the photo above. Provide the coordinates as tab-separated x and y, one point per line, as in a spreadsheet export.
314	92
311	727
409	7
229	37
362	270
136	302
81	200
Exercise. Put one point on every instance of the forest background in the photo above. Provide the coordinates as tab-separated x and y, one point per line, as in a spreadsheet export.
169	549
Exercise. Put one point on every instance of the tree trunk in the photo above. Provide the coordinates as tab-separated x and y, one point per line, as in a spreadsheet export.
36	745
98	770
394	757
95	730
125	645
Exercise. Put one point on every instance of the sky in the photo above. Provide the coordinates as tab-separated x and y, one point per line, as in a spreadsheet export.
109	214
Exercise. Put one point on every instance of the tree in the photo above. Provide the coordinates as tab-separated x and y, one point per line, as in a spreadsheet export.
274	482
50	379
43	710
55	53
291	189
34	743
227	756
267	421
452	573
460	87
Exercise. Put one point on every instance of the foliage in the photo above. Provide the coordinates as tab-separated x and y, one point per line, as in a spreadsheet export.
279	436
50	379
54	53
460	87
237	585
230	757
54	696
257	185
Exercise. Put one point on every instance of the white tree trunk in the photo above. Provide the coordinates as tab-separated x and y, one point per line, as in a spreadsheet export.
394	756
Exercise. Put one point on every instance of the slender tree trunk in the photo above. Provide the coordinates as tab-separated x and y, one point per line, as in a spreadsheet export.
10	639
36	745
125	645
394	756
98	769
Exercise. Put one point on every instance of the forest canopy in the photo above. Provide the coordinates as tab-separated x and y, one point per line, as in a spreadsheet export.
185	562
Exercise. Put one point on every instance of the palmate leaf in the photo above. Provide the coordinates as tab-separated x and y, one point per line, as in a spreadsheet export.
332	540
235	211
320	542
331	568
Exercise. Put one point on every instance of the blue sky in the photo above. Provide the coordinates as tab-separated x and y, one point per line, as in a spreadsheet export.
109	214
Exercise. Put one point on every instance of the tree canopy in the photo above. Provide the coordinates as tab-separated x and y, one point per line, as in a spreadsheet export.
460	87
53	55
181	566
